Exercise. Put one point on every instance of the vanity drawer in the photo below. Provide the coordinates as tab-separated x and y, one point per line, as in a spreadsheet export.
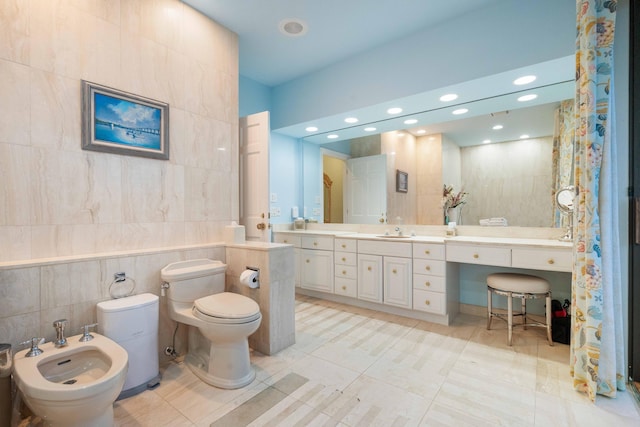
425	282
542	259
346	258
317	242
428	251
431	267
484	255
431	302
347	271
346	245
376	247
346	287
286	238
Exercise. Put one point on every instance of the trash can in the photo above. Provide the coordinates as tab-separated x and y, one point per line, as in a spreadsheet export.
6	366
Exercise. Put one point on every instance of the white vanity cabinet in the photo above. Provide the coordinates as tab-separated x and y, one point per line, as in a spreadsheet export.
346	267
296	241
429	278
384	272
316	263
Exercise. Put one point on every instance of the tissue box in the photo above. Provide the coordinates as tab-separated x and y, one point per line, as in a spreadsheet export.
234	234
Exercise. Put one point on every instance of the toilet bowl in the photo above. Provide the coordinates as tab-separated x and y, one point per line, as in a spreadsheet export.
219	322
73	386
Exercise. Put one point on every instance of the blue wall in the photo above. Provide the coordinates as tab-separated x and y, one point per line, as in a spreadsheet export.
253	97
284	176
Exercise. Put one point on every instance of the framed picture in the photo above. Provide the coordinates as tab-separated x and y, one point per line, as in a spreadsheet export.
402	181
118	122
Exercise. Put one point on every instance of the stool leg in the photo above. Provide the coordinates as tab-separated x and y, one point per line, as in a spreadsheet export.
523	310
548	316
510	316
489	308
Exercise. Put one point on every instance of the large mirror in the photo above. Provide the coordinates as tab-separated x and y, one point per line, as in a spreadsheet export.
501	157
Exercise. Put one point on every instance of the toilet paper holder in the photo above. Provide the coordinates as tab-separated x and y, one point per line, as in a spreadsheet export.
254	277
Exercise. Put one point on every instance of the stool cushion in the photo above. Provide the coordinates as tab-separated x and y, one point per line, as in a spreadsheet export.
518	283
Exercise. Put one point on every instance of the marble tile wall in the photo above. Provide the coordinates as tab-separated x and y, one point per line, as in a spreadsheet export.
496	176
58	200
32	297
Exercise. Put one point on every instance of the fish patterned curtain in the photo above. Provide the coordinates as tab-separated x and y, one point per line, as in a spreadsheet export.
597	344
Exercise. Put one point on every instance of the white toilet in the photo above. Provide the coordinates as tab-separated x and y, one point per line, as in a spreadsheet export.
75	385
219	322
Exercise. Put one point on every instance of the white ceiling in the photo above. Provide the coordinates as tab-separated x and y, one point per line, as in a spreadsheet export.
338	29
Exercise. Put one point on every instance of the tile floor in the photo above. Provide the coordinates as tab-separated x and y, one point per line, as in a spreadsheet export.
355	367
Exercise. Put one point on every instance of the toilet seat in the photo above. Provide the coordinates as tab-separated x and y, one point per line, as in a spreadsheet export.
226	307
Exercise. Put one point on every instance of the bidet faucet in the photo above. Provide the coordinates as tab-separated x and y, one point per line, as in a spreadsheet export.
59	324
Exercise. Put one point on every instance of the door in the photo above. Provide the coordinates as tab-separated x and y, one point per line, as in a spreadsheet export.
317	270
370	277
366	190
254	176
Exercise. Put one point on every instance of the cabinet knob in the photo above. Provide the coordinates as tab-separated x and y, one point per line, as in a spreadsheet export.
344	288
315	243
427	284
344	272
343	246
427	302
395	271
551	261
369	268
427	252
308	261
344	259
427	268
286	241
476	256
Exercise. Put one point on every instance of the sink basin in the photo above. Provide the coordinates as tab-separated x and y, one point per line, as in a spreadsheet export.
394	236
78	368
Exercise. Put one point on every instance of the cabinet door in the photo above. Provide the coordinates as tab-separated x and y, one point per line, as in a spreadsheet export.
370	278
316	268
398	281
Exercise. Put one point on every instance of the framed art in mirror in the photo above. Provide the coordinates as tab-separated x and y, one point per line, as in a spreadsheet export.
118	122
402	181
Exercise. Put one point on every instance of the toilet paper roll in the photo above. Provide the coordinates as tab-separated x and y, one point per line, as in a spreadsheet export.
250	278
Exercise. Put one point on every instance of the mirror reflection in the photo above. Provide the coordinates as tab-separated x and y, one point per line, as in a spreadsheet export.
503	161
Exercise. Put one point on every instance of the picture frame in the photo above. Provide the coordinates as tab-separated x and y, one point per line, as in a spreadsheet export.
118	122
402	181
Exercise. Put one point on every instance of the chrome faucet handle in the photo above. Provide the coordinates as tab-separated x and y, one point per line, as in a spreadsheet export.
86	336
34	343
59	324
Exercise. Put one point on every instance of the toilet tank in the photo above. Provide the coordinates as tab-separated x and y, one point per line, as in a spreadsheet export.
190	280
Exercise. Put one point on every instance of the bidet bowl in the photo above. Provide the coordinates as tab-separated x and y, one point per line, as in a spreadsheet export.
73	385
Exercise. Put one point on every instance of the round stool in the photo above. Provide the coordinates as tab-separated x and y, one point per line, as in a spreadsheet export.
524	286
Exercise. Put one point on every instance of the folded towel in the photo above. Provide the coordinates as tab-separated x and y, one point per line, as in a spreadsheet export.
497	221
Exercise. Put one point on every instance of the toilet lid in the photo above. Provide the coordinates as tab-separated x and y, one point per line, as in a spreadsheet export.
227	305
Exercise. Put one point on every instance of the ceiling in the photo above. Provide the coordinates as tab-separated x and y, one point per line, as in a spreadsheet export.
338	29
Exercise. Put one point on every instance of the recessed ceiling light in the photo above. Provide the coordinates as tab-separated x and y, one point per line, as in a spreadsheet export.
351	120
486	141
524	80
448	97
311	129
525	136
497	127
369	129
400	133
394	110
293	27
529	97
421	131
332	136
460	111
410	121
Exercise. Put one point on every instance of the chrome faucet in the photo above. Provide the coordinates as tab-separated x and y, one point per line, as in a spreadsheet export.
59	324
398	231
